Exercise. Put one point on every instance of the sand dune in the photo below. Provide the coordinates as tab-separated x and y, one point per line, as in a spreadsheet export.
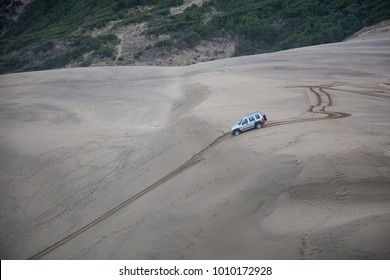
137	162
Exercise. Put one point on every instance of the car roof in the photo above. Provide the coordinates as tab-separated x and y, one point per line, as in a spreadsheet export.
251	114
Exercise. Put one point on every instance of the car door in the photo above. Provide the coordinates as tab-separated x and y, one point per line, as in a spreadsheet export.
252	122
245	125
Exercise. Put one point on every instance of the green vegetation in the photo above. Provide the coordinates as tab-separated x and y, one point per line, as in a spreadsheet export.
137	55
189	27
57	18
53	33
270	25
47	23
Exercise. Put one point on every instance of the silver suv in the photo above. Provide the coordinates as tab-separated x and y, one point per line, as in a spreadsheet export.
250	121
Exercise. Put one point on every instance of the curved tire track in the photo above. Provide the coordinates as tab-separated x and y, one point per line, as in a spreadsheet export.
378	93
368	93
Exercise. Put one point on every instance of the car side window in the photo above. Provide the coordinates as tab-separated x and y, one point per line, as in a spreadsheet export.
245	122
257	116
251	119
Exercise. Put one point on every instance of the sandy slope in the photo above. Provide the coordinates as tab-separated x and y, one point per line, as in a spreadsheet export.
134	162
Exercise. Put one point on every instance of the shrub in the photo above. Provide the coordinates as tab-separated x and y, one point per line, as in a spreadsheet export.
164	44
137	55
244	47
105	52
191	38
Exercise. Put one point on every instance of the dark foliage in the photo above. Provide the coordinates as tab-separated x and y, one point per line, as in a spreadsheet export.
257	26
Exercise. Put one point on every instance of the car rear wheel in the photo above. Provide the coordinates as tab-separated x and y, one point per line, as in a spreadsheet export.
258	125
236	132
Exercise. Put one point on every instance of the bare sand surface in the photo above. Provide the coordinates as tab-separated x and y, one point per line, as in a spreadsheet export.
137	162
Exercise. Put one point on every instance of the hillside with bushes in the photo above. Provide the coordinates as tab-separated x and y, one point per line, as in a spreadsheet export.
49	34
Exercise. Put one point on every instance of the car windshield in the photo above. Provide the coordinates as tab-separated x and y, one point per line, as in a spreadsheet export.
240	123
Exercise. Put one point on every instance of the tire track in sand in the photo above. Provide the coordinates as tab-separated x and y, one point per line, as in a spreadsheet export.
197	158
192	161
323	100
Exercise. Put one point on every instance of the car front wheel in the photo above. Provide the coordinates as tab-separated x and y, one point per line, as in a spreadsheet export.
236	132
